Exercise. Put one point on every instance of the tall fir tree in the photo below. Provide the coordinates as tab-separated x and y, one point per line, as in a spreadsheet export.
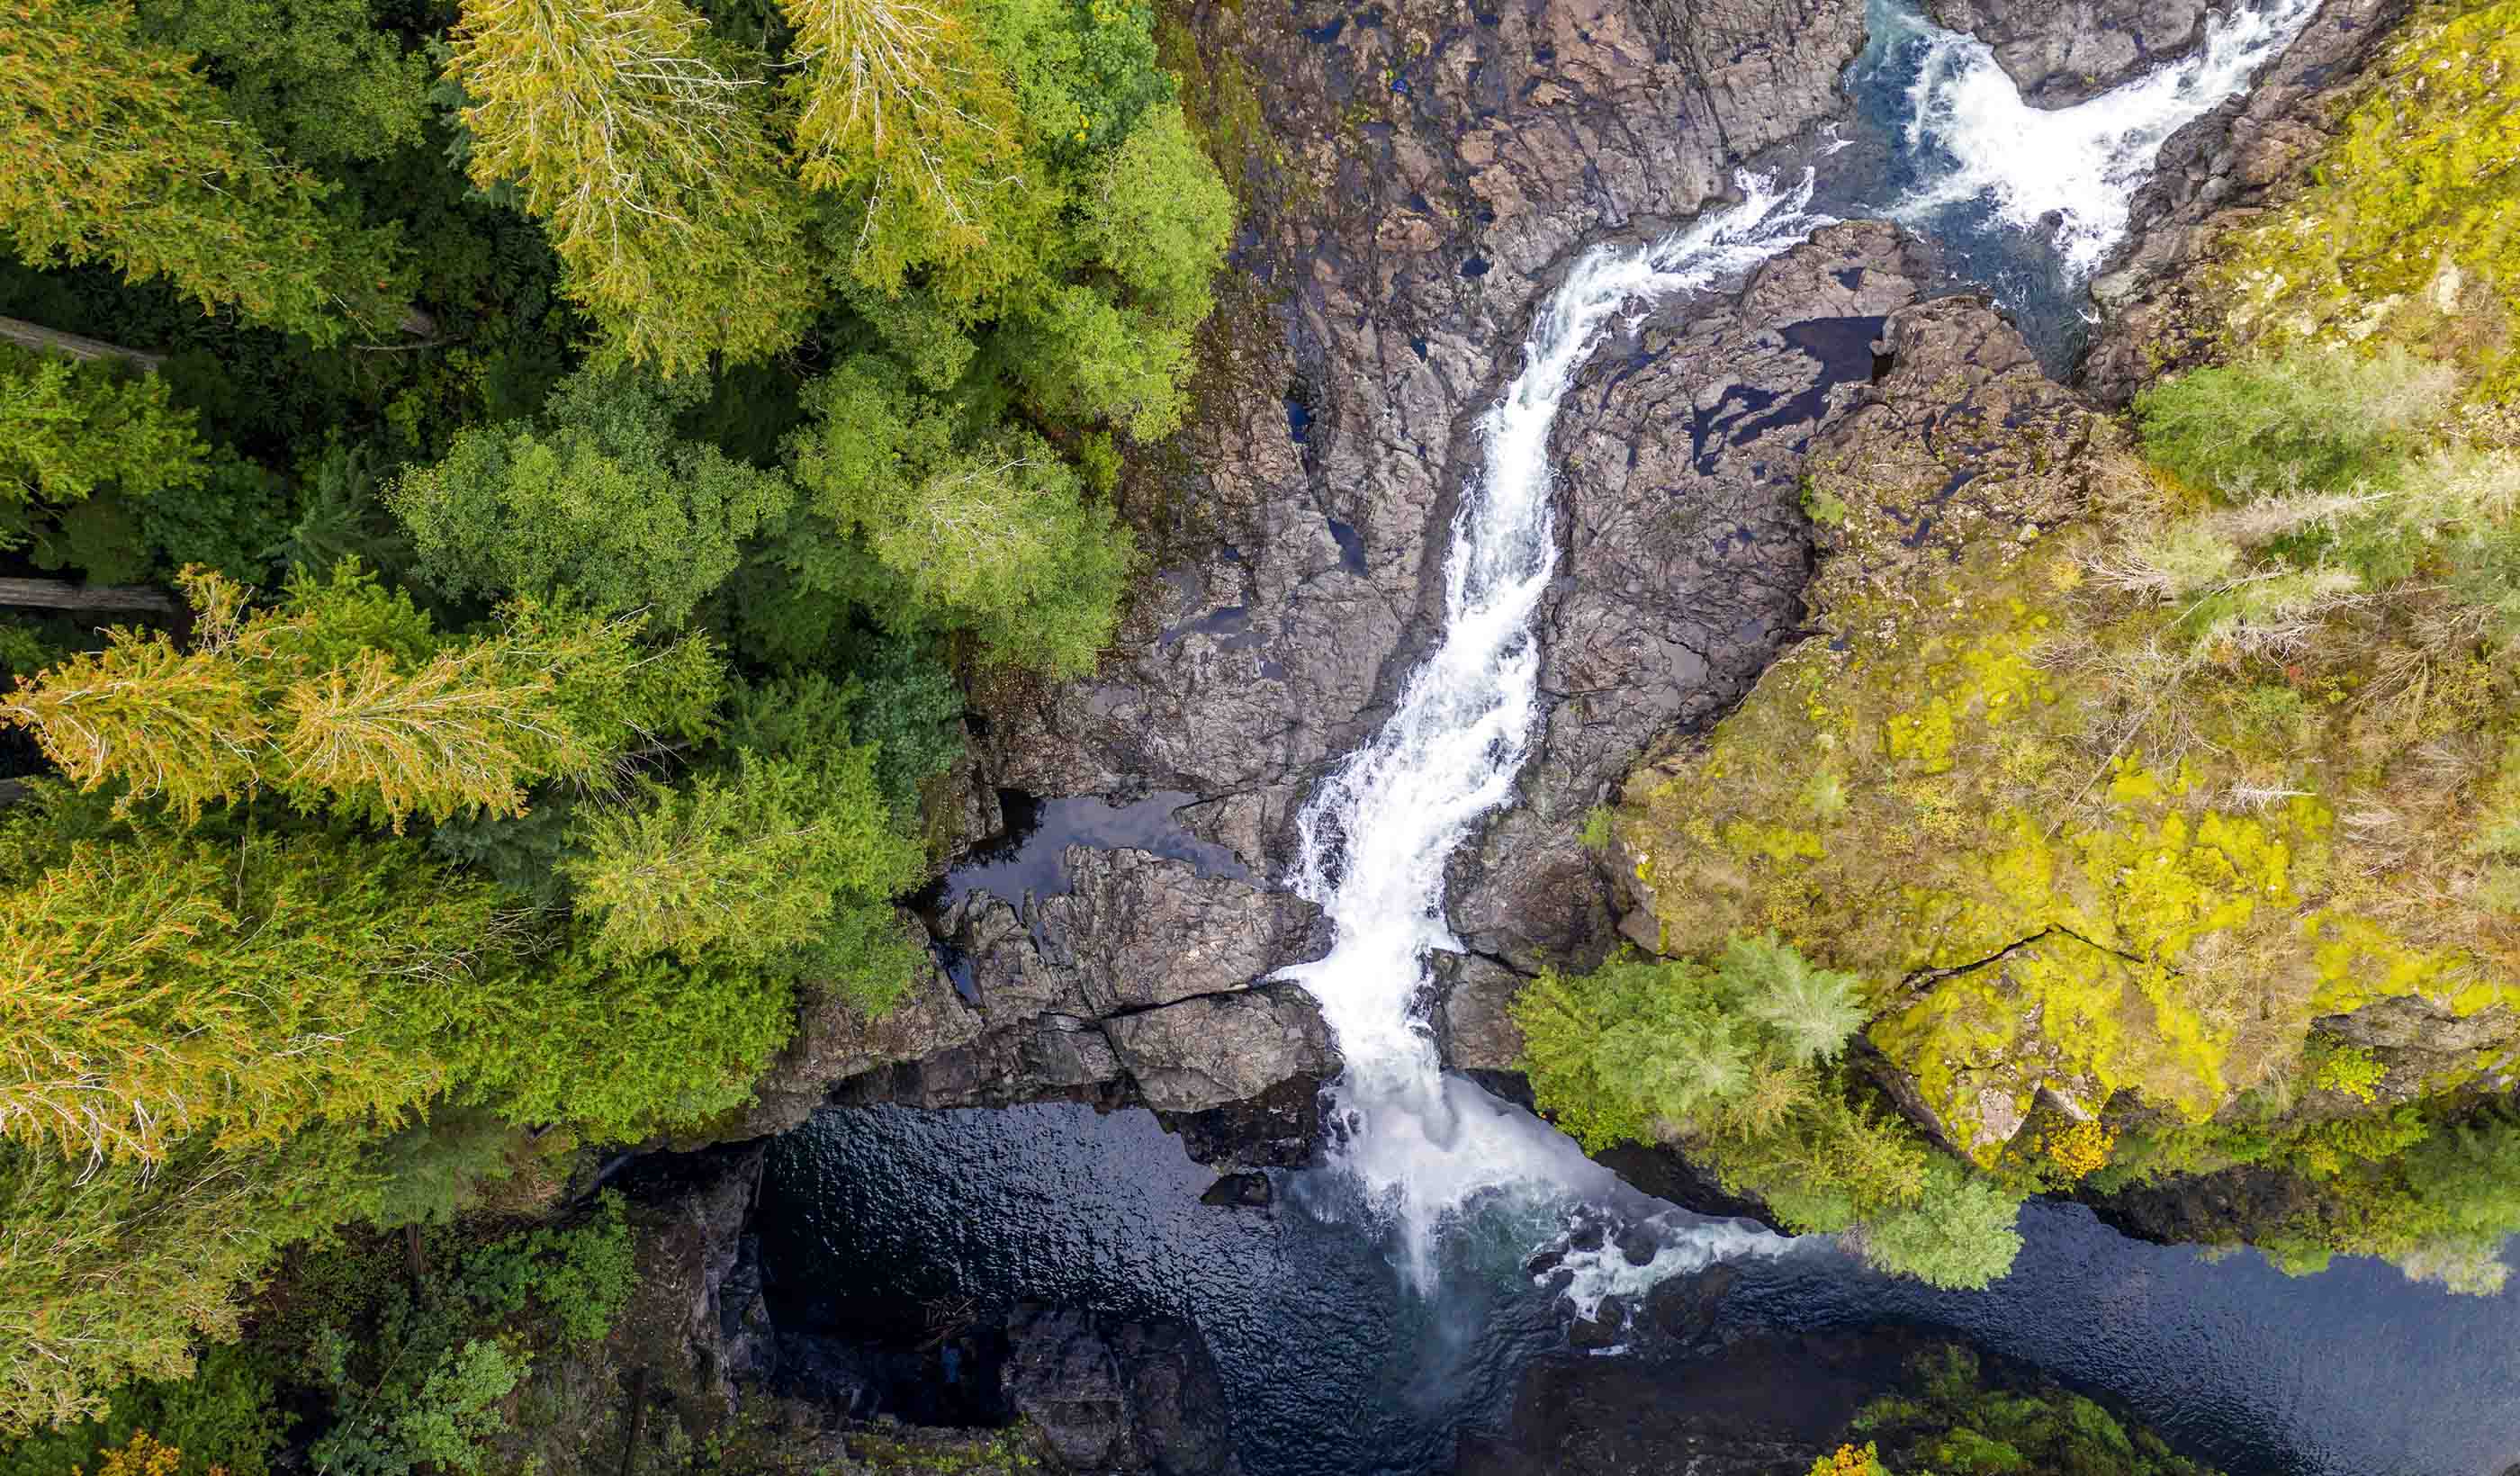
646	150
113	148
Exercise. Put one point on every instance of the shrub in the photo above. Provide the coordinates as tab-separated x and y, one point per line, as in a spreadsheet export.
2309	420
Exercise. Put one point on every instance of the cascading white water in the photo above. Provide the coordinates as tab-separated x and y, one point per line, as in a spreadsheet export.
2082	164
1376	838
1374	841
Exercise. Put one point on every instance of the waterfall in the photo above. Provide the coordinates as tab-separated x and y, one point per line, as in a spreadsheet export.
2069	173
1376	838
1425	1146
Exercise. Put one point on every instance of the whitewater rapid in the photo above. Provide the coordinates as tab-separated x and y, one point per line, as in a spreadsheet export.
1376	838
1424	1146
2070	174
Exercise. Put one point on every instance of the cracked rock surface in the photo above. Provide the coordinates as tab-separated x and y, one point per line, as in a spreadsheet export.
2063	52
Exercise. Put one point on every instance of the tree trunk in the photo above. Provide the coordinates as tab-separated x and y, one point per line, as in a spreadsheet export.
62	595
36	336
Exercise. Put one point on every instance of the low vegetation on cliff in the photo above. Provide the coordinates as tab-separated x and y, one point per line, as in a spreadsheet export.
2157	784
1954	1420
588	449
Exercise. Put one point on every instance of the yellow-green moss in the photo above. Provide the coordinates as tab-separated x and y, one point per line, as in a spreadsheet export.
2410	225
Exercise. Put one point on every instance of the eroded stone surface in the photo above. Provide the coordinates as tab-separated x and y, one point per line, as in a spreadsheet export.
2063	52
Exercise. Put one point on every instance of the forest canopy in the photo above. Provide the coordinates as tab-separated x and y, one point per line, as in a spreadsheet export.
584	452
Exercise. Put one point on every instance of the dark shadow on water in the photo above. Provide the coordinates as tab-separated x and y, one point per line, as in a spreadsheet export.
1028	854
1333	1369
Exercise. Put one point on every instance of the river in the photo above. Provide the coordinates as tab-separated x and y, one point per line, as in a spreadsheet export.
1395	1273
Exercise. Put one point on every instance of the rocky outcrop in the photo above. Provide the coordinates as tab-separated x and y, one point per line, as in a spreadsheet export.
1686	551
1441	162
1766	1405
2217	172
1143	984
1119	1396
2063	52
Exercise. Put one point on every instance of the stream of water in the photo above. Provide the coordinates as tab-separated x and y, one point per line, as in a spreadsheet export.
1427	1174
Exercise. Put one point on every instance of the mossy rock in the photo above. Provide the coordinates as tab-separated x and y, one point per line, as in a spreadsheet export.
2071	858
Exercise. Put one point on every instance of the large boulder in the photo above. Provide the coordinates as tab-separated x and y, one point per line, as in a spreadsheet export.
1681	456
2063	52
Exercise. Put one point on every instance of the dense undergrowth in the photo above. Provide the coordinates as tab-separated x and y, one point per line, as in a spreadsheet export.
2168	818
1956	1420
593	449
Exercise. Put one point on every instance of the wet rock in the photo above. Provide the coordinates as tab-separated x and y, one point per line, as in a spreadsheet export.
1765	1406
1132	1397
1437	175
1060	1376
1137	936
1681	454
2214	174
1218	1048
1474	1028
2063	52
1138	930
1240	1192
1274	1130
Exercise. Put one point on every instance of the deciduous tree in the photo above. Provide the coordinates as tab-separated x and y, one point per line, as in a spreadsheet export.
599	498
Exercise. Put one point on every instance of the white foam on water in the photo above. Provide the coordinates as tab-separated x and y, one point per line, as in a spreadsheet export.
1682	1246
2070	173
1376	838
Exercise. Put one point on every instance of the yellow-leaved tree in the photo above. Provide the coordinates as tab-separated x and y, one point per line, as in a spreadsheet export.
646	150
342	698
900	103
114	150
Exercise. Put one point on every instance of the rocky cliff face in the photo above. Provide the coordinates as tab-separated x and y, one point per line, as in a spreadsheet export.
2216	173
1436	167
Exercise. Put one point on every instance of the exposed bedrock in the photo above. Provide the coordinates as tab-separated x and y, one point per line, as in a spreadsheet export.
1144	984
1442	163
2063	52
1686	551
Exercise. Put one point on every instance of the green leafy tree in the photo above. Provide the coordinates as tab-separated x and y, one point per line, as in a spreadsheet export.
69	428
646	154
114	150
225	1417
741	866
994	538
893	699
1112	341
1959	1232
321	80
600	500
1811	1011
1083	70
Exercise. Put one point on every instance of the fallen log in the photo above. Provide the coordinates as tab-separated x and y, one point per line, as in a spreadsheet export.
62	595
35	335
